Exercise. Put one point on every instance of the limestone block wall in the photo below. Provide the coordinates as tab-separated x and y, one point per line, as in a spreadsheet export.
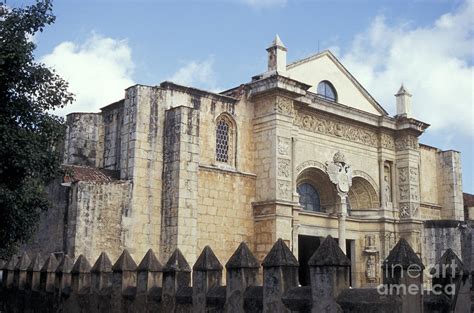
95	221
429	179
84	139
450	185
113	120
225	216
141	161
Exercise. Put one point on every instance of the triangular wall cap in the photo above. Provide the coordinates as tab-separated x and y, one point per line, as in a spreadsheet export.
150	263
280	255
177	263
207	261
329	254
37	264
124	263
12	263
23	263
402	255
445	263
66	265
242	258
2	264
103	264
50	265
81	265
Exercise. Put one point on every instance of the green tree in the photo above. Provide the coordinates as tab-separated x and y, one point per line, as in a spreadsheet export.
29	134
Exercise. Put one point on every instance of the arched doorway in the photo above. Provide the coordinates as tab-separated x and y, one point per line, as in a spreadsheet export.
362	195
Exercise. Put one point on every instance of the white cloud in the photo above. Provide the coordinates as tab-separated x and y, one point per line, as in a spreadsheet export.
198	74
97	70
262	4
434	63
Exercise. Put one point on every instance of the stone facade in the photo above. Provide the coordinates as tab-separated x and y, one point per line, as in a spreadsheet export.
167	187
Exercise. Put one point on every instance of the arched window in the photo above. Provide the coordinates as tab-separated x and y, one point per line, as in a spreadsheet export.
222	141
327	91
309	197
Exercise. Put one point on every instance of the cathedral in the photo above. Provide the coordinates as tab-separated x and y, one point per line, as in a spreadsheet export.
299	152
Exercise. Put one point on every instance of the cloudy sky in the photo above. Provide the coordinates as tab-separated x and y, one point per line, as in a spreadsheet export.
104	46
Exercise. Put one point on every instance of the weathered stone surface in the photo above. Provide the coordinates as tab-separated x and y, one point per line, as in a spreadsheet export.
207	261
81	265
23	263
329	254
50	264
280	255
402	255
177	263
242	258
124	263
368	300
103	264
66	265
150	263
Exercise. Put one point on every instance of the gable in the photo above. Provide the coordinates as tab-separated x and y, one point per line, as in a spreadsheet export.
325	67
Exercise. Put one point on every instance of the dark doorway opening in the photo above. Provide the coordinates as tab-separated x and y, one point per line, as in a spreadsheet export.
307	245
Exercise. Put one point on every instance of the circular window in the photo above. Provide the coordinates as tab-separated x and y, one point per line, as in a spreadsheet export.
309	197
327	91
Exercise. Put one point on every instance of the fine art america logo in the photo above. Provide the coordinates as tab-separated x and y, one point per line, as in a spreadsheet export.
409	279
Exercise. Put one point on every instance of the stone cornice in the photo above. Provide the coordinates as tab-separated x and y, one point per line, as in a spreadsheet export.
277	82
197	92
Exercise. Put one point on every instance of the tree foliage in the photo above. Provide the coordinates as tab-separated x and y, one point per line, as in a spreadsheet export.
29	134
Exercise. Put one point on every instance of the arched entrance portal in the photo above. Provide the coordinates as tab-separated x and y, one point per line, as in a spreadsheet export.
317	193
362	195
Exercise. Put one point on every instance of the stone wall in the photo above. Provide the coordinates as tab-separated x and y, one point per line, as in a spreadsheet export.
95	219
450	185
113	120
84	139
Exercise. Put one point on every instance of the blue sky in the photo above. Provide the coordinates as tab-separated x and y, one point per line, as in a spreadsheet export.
102	46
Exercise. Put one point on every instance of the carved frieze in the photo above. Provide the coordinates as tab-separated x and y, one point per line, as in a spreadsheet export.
284	189
406	142
284	105
310	163
330	127
387	142
403	175
283	168
284	146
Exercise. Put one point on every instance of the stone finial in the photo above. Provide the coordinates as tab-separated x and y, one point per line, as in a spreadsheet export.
124	275
280	255
177	263
103	264
149	273
207	261
329	254
48	273
20	271
242	258
207	274
448	265
150	263
101	273
176	274
403	98
277	56
8	272
33	274
81	276
242	273
63	275
402	255
125	262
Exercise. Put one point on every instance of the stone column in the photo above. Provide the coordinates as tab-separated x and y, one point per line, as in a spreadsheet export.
242	272
280	273
207	274
329	274
342	214
176	274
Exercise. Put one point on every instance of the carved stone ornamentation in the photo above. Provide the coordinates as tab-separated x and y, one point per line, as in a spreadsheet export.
406	142
340	172
404	192
284	105
284	168
387	142
404	210
310	163
283	146
330	127
403	175
284	189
